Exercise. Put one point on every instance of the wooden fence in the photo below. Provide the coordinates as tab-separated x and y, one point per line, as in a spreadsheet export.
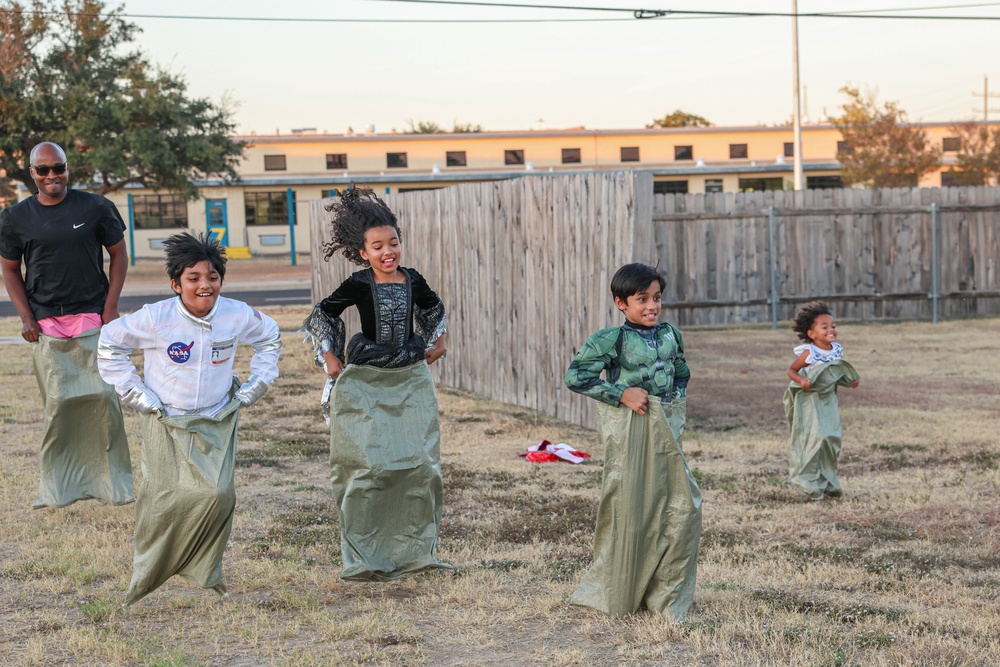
523	267
893	253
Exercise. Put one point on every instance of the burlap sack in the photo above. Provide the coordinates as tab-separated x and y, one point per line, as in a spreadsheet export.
814	419
184	513
649	520
84	451
386	470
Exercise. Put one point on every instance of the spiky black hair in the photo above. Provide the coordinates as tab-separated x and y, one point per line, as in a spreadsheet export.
186	250
355	212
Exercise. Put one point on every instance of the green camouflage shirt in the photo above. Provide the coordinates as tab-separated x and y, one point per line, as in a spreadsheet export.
629	356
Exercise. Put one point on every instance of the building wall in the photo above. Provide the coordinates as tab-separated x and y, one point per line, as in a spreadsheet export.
600	149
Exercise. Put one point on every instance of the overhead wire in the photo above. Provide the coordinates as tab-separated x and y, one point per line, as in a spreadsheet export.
637	13
645	13
314	19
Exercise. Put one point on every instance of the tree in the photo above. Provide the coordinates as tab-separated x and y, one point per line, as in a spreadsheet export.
882	150
465	128
679	119
978	159
430	127
21	108
424	127
68	75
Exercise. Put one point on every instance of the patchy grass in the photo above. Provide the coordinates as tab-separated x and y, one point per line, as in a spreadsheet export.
838	612
902	570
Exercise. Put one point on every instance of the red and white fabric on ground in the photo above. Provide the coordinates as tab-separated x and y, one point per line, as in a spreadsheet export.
546	452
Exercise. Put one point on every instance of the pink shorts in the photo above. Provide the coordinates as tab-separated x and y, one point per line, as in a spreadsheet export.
69	326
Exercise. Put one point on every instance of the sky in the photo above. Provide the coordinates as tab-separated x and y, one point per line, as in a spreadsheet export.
607	74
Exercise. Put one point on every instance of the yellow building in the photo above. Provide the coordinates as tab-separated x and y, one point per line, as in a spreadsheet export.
252	216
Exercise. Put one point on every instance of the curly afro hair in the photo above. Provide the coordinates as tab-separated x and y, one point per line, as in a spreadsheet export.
355	212
807	314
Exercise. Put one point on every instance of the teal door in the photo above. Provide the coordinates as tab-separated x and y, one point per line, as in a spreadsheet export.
215	214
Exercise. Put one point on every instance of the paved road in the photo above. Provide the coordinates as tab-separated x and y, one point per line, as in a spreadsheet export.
256	298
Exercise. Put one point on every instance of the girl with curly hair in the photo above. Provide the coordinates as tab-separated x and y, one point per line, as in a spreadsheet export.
811	401
379	398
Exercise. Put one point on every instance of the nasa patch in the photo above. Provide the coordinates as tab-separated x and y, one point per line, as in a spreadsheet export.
179	352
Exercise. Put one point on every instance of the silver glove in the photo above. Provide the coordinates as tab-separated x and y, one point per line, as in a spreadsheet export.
324	401
251	390
142	399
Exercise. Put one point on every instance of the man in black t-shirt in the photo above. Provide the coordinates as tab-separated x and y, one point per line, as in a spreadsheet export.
59	236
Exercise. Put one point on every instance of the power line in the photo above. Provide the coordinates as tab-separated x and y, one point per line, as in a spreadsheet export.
636	13
509	5
641	13
314	19
918	9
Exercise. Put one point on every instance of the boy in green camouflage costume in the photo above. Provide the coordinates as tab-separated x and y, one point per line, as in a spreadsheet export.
649	520
651	358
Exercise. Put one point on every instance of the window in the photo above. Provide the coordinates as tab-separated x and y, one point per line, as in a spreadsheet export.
738	151
271	239
159	211
630	154
336	160
843	148
683	152
824	182
713	185
513	157
758	184
571	156
274	163
395	160
951	144
267	208
789	149
949	180
455	159
670	187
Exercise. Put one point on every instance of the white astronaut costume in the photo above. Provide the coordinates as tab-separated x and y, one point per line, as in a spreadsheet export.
188	360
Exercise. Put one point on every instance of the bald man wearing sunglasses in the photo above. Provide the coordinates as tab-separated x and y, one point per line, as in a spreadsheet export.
59	236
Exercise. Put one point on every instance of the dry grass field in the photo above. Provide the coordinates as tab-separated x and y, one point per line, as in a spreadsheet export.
904	570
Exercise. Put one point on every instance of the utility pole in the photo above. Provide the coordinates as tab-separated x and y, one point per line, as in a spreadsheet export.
986	95
796	111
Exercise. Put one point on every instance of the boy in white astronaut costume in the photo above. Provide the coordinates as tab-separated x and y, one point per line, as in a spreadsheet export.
188	359
191	405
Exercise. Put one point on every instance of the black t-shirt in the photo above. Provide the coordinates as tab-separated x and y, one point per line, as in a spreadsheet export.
61	247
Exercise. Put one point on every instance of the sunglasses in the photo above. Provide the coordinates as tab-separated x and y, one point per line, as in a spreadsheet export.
43	169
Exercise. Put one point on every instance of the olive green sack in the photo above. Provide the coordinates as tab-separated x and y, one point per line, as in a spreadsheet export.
385	465
187	500
649	520
814	419
84	451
